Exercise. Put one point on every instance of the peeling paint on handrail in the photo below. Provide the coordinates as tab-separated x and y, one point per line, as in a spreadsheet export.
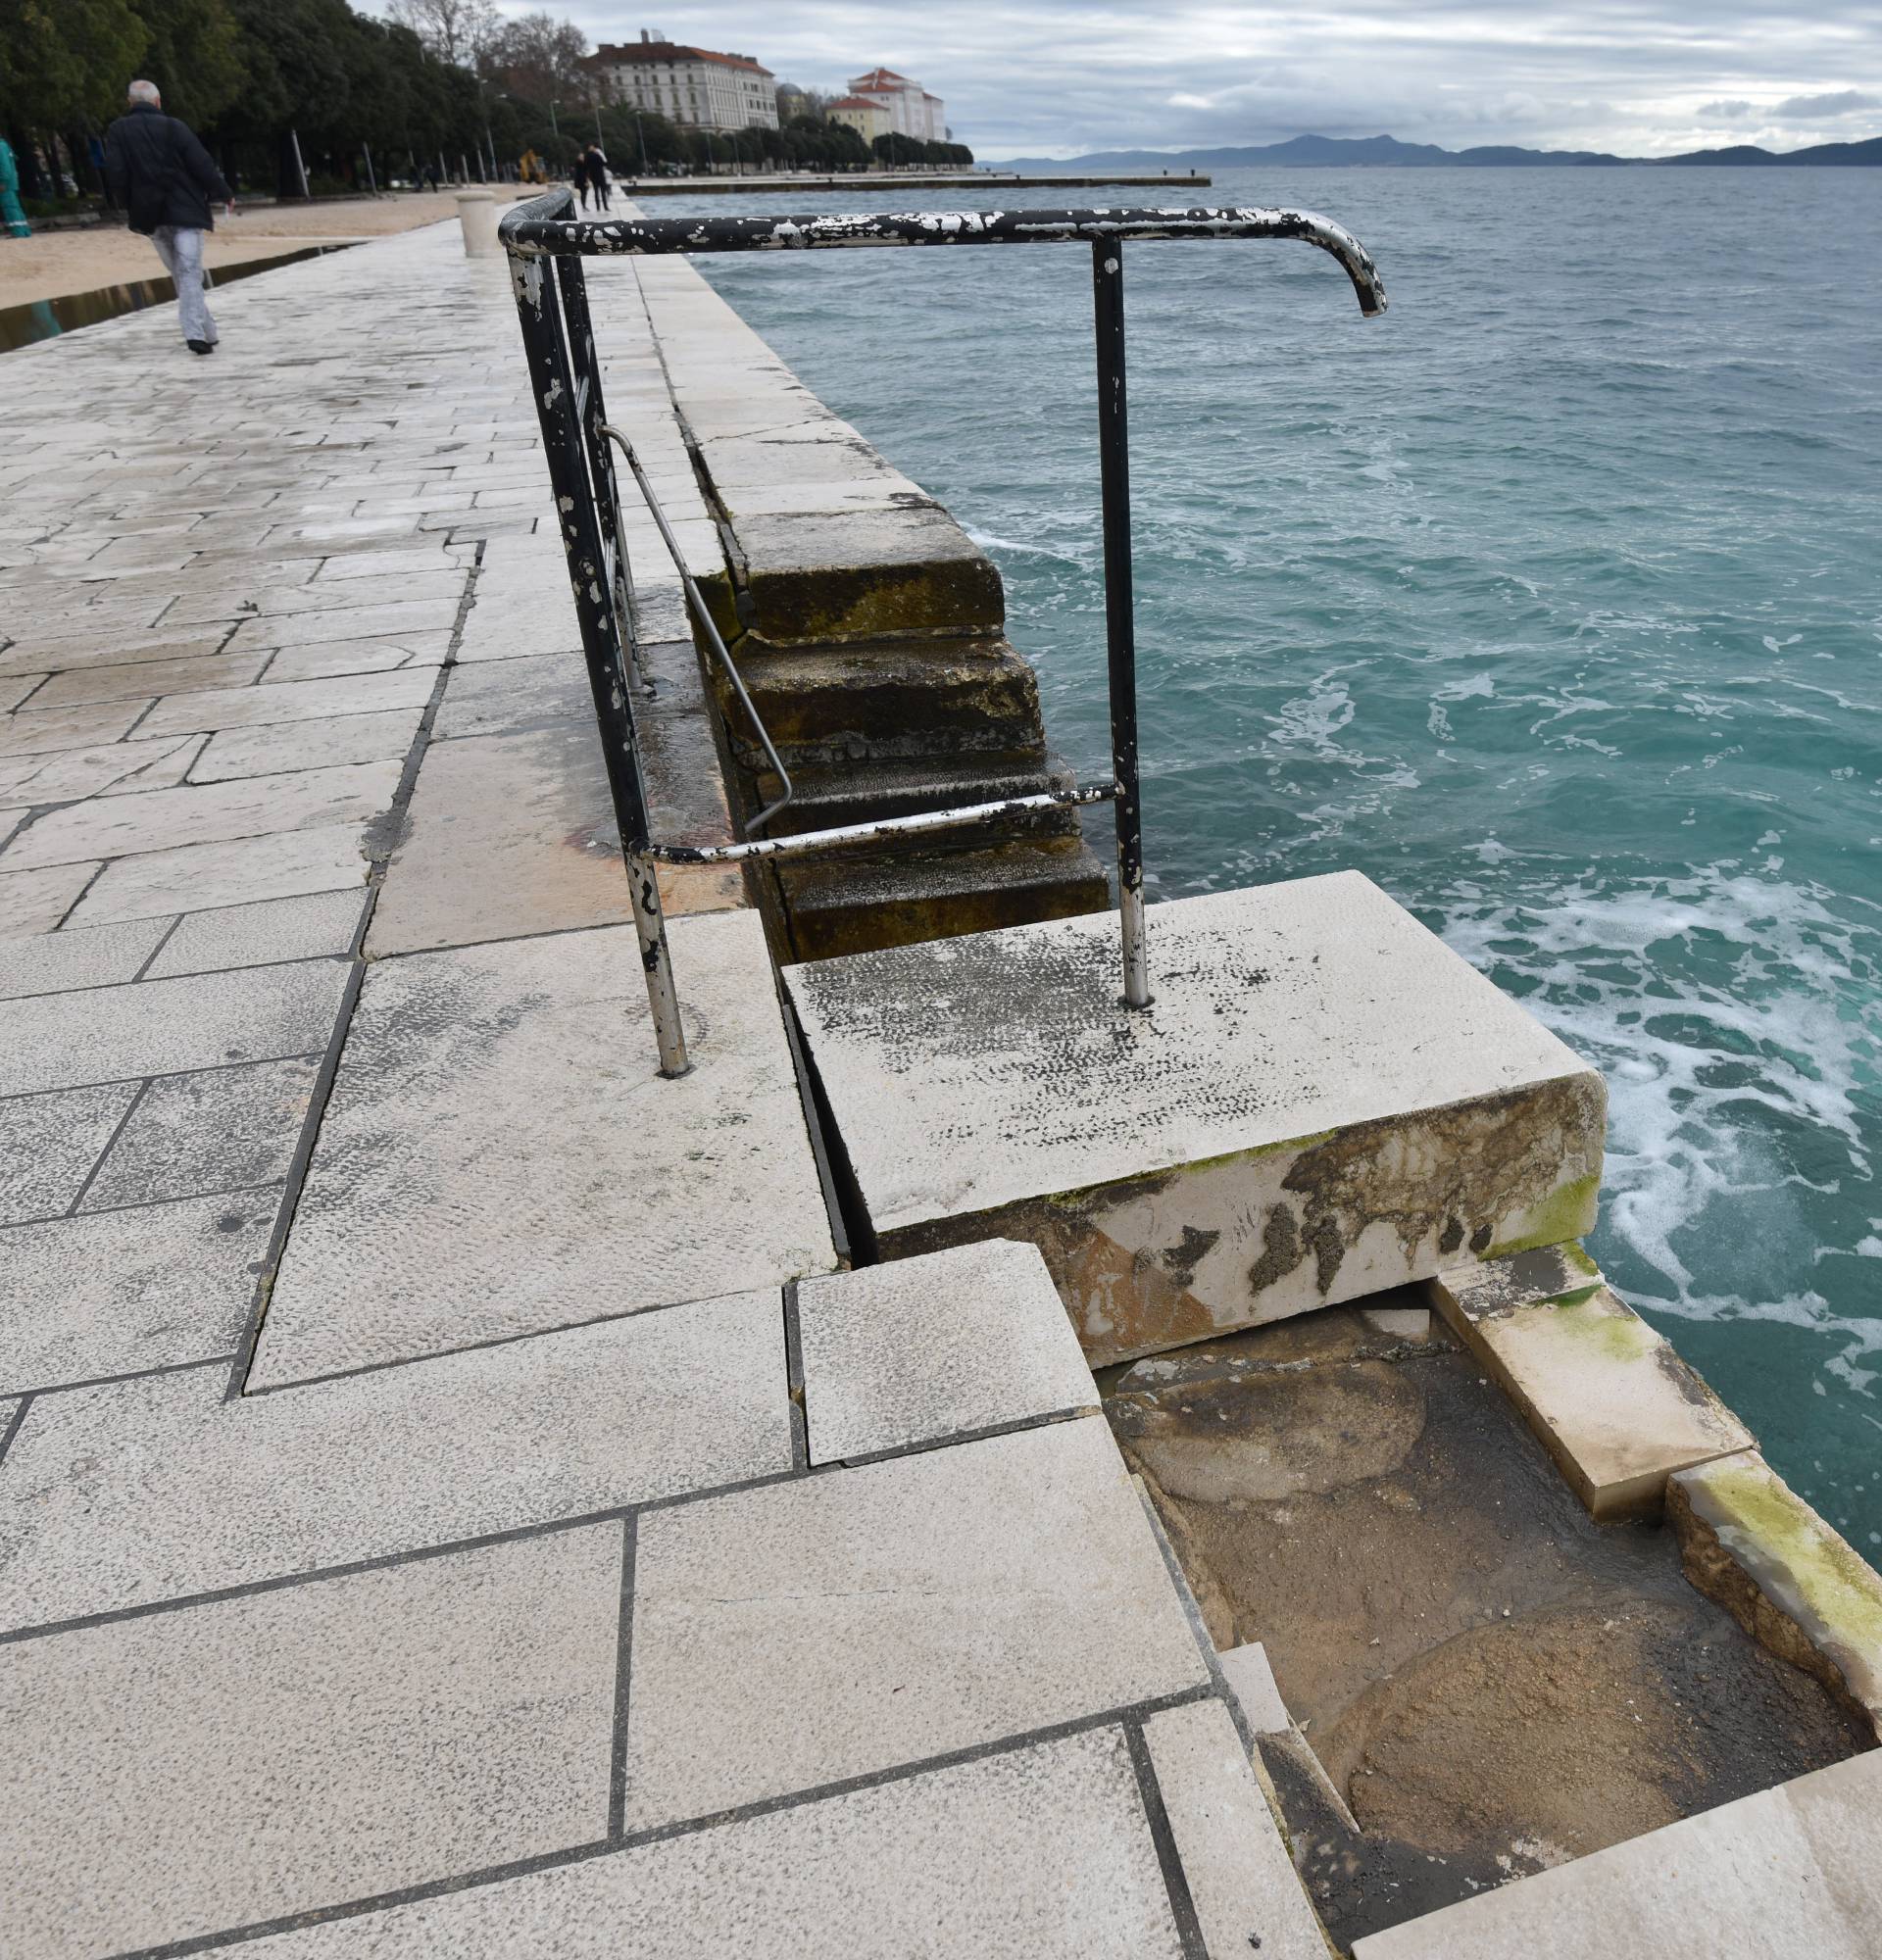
540	229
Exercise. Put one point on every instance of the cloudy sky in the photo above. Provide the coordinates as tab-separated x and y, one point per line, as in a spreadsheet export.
1052	77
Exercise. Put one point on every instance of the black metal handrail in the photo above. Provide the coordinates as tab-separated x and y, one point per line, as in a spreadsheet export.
546	246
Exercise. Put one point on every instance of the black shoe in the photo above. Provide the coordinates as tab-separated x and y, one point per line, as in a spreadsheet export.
201	346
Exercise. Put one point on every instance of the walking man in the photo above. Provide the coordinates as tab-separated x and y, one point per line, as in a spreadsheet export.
164	180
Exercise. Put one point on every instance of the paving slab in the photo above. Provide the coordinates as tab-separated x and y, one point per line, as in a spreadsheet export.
294	1748
34	902
307	745
166	769
330	858
289	700
504	835
1322	1102
55	962
351	622
1247	1897
110	1034
37	731
276	929
214	1129
148	677
500	1102
120	1291
48	1144
1789	1578
502	697
1609	1396
1795	1870
1041	1850
532	617
923	1349
210	813
1251	1680
64	774
156	1489
844	1624
356	566
324	660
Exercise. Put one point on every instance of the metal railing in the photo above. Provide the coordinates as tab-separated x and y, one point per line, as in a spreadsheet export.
546	246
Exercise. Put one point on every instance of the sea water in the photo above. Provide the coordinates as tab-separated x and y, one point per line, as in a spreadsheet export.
1552	601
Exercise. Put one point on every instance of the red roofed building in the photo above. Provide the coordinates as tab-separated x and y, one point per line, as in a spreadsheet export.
861	113
695	87
912	110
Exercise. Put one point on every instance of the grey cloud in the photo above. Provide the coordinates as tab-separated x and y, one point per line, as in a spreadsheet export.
1056	77
1808	107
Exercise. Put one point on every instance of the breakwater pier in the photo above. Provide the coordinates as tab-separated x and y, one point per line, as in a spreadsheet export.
968	1468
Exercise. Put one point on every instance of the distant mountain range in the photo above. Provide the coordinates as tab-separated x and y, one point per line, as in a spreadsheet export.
1326	150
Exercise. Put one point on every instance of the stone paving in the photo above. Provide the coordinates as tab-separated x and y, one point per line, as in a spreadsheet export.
450	1500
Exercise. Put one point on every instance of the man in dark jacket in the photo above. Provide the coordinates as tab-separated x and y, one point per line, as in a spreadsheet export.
163	178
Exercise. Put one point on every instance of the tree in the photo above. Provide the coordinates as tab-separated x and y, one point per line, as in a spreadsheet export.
62	61
194	56
457	31
541	59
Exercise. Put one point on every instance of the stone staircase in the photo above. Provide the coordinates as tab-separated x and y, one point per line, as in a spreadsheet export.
868	629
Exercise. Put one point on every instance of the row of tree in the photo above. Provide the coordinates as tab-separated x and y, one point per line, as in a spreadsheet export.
447	84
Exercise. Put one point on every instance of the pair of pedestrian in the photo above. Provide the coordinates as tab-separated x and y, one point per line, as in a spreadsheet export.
591	174
164	180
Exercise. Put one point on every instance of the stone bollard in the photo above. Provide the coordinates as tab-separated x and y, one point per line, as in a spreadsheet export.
477	214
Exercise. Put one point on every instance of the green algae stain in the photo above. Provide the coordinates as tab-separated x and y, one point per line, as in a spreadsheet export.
1566	1214
1608	1332
1766	1521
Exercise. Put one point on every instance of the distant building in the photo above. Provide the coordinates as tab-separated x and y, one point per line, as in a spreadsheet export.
793	102
695	87
863	113
912	110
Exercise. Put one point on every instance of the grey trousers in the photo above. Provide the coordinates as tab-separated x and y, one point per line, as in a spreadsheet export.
180	248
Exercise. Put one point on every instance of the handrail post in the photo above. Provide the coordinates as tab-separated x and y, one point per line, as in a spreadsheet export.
540	288
1120	633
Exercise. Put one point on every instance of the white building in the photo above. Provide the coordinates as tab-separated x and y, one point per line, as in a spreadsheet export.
912	110
695	87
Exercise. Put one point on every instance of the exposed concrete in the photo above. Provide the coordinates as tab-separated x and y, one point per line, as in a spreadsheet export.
1322	1102
1611	1399
1796	1870
1750	1542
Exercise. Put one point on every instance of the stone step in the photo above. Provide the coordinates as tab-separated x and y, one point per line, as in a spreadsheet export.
1322	1101
905	893
888	700
865	792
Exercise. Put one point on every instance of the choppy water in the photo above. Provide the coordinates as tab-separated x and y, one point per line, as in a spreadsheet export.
1552	601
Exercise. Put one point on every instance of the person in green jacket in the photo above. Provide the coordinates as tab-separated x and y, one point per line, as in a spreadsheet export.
10	214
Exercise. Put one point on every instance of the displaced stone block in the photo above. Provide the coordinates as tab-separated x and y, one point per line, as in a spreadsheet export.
1611	1401
1794	1584
1322	1102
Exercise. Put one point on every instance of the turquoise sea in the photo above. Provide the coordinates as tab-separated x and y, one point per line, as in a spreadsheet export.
1552	601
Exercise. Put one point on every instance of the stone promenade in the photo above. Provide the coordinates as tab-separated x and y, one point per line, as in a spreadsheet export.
452	1500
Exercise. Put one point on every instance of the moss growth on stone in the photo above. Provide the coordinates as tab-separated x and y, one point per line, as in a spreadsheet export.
1767	1520
1613	1333
1560	1217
